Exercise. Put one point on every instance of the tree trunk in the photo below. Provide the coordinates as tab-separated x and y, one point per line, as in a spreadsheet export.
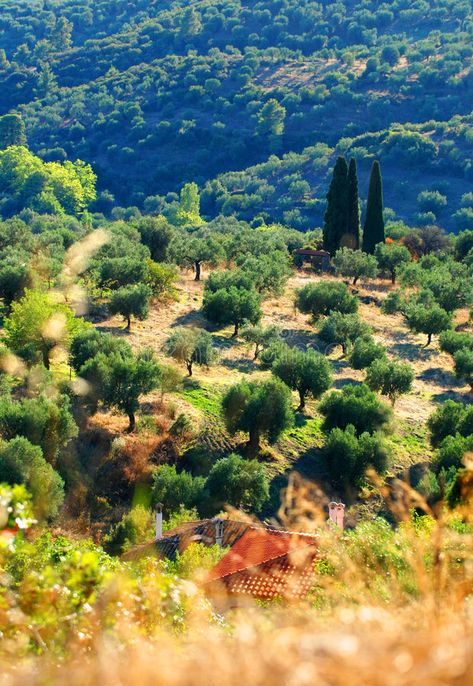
46	361
132	422
253	443
197	271
189	368
302	402
393	277
355	280
128	322
257	352
429	339
235	330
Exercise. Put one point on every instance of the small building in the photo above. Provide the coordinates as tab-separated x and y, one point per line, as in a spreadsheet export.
319	259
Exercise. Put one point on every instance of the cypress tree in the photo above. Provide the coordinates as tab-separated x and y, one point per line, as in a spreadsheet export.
336	215
373	231
352	240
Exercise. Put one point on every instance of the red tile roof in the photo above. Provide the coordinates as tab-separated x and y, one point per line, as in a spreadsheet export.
266	564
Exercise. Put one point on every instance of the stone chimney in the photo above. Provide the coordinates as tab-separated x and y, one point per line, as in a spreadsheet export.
219	529
159	521
336	512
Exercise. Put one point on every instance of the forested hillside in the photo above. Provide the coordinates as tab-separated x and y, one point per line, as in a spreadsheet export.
157	94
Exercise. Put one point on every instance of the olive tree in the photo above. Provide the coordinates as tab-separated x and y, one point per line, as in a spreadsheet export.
429	320
356	405
390	378
309	373
236	306
355	264
390	257
343	329
365	351
131	301
259	408
191	346
260	336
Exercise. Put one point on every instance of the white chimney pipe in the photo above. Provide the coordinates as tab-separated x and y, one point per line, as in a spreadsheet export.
159	521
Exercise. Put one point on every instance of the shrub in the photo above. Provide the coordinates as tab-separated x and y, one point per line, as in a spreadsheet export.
348	456
21	462
238	482
324	298
463	360
356	405
175	489
445	421
451	452
365	351
453	341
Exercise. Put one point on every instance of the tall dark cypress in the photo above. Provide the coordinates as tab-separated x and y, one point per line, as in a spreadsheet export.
352	239
373	230
336	215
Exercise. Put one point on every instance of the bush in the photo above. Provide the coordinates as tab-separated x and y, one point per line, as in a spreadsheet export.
135	527
451	452
365	351
463	360
348	456
238	482
356	405
390	378
453	341
176	489
445	421
324	298
23	463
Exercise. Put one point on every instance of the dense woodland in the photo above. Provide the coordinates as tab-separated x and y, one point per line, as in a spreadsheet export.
167	172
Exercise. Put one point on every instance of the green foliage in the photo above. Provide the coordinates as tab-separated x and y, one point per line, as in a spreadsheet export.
451	452
355	264
196	559
131	301
47	187
365	351
260	408
352	238
236	306
88	343
44	421
37	324
195	250
21	462
429	320
267	273
343	329
356	405
446	421
336	215
238	482
12	131
161	280
175	489
373	230
307	372
390	257
452	341
325	297
191	346
116	272
187	214
118	381
156	233
390	378
463	360
260	336
135	527
271	119
348	456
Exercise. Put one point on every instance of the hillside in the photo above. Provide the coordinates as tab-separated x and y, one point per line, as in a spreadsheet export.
235	83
